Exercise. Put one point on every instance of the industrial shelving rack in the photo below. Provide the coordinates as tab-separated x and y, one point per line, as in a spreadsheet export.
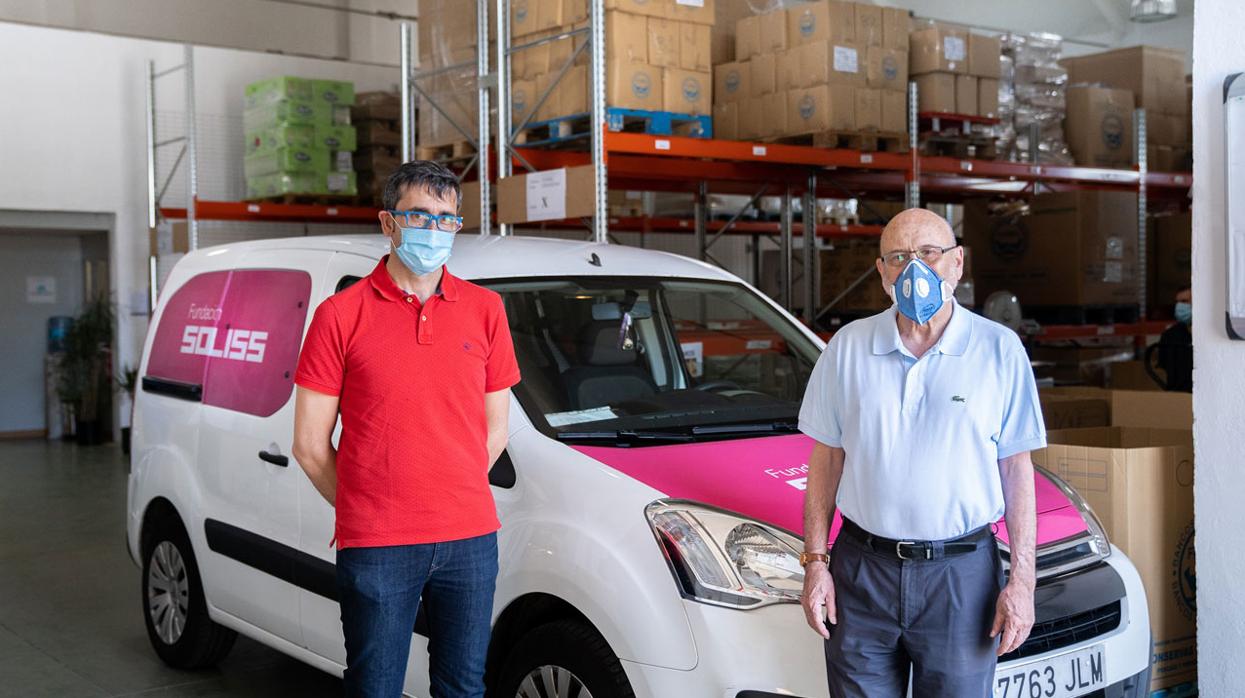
633	161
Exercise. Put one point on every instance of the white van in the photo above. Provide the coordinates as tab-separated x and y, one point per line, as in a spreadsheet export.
650	495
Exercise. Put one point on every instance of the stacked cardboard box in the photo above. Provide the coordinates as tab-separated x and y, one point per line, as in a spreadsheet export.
814	67
1170	254
1099	126
1033	92
298	137
1152	75
657	57
956	71
377	118
447	49
1072	249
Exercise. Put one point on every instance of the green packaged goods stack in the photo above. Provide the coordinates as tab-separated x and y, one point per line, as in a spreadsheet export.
299	140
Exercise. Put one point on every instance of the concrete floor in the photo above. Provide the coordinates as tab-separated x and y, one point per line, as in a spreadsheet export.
70	610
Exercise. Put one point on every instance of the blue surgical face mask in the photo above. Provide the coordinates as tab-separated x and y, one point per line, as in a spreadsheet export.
919	292
1184	312
424	250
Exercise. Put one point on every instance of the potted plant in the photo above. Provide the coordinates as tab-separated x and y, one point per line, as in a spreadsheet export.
85	384
129	383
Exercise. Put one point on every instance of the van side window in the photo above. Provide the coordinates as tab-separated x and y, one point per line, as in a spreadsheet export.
236	334
346	282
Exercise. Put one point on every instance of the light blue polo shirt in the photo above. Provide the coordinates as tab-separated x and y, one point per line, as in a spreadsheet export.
922	438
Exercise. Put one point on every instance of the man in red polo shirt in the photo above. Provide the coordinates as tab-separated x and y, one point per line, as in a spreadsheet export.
419	365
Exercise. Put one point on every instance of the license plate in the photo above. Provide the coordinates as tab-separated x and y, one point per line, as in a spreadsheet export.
1065	676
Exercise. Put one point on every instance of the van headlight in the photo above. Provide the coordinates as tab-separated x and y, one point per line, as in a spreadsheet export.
724	559
1073	553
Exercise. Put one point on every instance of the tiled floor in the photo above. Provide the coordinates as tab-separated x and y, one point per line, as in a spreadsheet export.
70	622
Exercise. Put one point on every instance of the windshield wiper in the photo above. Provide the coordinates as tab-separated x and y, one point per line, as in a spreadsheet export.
628	435
784	426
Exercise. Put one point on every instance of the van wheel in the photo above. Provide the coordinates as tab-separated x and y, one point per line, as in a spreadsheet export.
565	659
174	609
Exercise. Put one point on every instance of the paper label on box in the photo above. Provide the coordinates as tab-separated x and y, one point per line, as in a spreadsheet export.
1113	272
546	195
845	59
345	161
690	3
953	48
338	182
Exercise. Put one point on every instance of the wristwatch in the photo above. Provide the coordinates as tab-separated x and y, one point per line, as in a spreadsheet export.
806	558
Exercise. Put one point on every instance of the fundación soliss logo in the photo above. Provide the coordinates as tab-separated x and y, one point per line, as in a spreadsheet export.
890	70
732	81
640	85
520	11
691	89
1112	131
1184	575
808	23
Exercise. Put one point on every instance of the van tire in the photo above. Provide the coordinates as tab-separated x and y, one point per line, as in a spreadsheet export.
201	641
570	645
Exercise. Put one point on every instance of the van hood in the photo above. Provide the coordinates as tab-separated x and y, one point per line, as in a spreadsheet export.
764	479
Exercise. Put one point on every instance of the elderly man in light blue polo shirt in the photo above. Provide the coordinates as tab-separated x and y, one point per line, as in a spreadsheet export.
923	416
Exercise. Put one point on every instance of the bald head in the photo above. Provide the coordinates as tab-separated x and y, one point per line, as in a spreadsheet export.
915	227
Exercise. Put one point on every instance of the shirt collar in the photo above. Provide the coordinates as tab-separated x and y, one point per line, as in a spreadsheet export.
383	283
954	340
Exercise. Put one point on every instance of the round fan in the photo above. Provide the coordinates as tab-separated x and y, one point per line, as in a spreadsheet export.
1004	308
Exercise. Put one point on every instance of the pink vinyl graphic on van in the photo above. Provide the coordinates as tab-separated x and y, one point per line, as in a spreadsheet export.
237	334
765	478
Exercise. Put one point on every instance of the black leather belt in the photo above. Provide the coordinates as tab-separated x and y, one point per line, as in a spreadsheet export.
917	549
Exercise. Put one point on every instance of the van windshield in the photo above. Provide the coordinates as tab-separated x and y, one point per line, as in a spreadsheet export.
644	359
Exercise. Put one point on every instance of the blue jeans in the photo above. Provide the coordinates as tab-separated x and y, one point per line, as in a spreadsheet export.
380	591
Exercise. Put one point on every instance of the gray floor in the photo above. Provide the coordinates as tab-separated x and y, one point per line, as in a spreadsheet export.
70	622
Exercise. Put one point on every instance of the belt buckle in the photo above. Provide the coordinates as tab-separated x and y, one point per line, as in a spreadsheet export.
899	549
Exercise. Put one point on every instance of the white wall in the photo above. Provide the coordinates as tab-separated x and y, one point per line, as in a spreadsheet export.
1218	383
72	133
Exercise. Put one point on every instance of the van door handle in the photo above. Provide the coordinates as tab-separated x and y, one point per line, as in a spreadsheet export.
274	458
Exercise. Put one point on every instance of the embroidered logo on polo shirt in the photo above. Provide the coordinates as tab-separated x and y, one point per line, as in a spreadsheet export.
957	398
466	346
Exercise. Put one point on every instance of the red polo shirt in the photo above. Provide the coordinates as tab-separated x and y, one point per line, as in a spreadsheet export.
412	464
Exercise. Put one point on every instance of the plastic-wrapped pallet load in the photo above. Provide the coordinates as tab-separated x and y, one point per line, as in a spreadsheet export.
298	138
1036	94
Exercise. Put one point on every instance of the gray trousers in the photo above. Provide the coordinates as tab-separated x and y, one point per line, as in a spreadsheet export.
928	620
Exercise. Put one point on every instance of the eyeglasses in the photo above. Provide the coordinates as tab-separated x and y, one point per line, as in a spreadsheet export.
422	219
926	253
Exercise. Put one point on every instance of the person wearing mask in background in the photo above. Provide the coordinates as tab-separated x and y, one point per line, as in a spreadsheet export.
923	418
1175	348
419	365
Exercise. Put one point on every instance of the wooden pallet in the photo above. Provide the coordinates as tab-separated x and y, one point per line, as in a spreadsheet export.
1083	314
868	141
458	150
575	129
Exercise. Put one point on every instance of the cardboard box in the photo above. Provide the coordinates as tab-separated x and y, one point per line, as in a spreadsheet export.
726	121
1075	248
988	97
787	75
1133	408
774	35
1171	254
825	20
634	86
731	82
687	91
523	96
1168	158
983	56
169	237
935	92
748	118
868	108
1166	129
1151	73
547	195
663	42
747	37
1099	126
1139	482
894	112
626	38
1130	375
938	49
896	24
470	208
550	109
868	25
828	62
966	95
524	17
763	74
695	47
763	117
821	108
886	68
1074	412
550	14
574	11
703	12
572	92
649	8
